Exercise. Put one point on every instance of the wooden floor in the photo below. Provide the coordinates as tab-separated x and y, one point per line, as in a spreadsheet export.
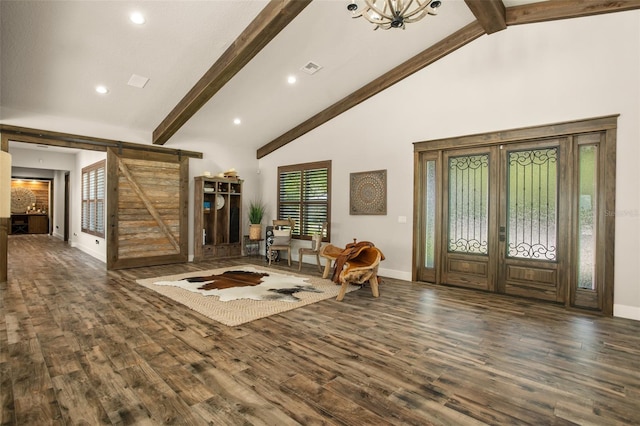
80	345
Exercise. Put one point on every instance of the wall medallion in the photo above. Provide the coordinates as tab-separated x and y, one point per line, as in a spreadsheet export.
368	194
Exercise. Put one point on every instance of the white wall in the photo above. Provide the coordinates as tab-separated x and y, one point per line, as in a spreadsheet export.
58	206
524	76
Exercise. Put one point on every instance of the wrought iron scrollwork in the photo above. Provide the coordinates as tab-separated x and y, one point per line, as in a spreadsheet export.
534	157
472	162
532	251
468	246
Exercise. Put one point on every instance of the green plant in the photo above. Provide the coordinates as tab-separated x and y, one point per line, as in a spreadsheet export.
256	212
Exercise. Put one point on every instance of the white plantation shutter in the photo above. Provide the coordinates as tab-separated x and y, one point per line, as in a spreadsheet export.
100	205
93	190
304	195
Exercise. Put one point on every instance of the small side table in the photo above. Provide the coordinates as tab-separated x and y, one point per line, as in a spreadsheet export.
252	247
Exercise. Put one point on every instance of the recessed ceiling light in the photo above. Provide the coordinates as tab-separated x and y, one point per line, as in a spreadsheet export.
236	121
137	18
292	79
102	90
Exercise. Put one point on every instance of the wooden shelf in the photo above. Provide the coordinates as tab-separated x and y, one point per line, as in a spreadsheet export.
218	218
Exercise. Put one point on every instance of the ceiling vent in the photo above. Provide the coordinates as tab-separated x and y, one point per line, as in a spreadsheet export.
311	68
138	81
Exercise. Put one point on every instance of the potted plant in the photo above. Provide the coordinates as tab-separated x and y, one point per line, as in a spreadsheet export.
256	212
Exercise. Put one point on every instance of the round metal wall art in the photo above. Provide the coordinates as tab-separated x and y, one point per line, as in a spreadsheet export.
21	198
368	194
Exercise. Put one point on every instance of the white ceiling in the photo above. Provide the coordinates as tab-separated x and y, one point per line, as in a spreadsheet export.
54	53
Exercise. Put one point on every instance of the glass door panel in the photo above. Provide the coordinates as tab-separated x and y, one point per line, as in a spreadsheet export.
468	204
430	215
587	208
532	209
587	289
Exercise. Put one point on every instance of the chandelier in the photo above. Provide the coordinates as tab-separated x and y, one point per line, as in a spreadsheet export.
387	14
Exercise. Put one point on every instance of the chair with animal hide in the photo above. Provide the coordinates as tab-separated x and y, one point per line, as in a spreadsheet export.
282	230
316	245
357	264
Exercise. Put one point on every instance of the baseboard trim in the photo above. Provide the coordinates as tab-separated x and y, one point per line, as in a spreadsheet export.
101	257
624	311
392	273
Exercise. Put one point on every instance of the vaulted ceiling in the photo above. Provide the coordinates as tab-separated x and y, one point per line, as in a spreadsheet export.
210	62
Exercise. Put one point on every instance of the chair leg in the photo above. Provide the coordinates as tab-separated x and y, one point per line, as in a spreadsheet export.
318	262
327	268
343	291
289	256
373	281
269	255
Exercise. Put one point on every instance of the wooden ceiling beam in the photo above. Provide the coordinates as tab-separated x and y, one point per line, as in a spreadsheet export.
68	140
565	9
439	50
276	15
491	14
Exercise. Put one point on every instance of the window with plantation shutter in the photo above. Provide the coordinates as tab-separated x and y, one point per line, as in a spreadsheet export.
93	188
304	194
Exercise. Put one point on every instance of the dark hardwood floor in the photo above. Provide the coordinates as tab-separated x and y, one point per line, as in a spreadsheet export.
80	345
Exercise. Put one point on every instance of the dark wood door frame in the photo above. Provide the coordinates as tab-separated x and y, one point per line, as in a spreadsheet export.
66	206
601	298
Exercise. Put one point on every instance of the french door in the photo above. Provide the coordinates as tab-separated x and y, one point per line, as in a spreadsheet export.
524	216
504	219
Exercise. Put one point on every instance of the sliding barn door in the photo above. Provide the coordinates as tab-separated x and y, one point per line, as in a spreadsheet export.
147	207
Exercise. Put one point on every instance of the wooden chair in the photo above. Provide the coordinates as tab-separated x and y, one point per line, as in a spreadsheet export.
314	249
331	253
361	269
282	230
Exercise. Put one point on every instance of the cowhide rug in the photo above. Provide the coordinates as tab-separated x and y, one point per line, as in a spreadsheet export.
237	295
245	284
